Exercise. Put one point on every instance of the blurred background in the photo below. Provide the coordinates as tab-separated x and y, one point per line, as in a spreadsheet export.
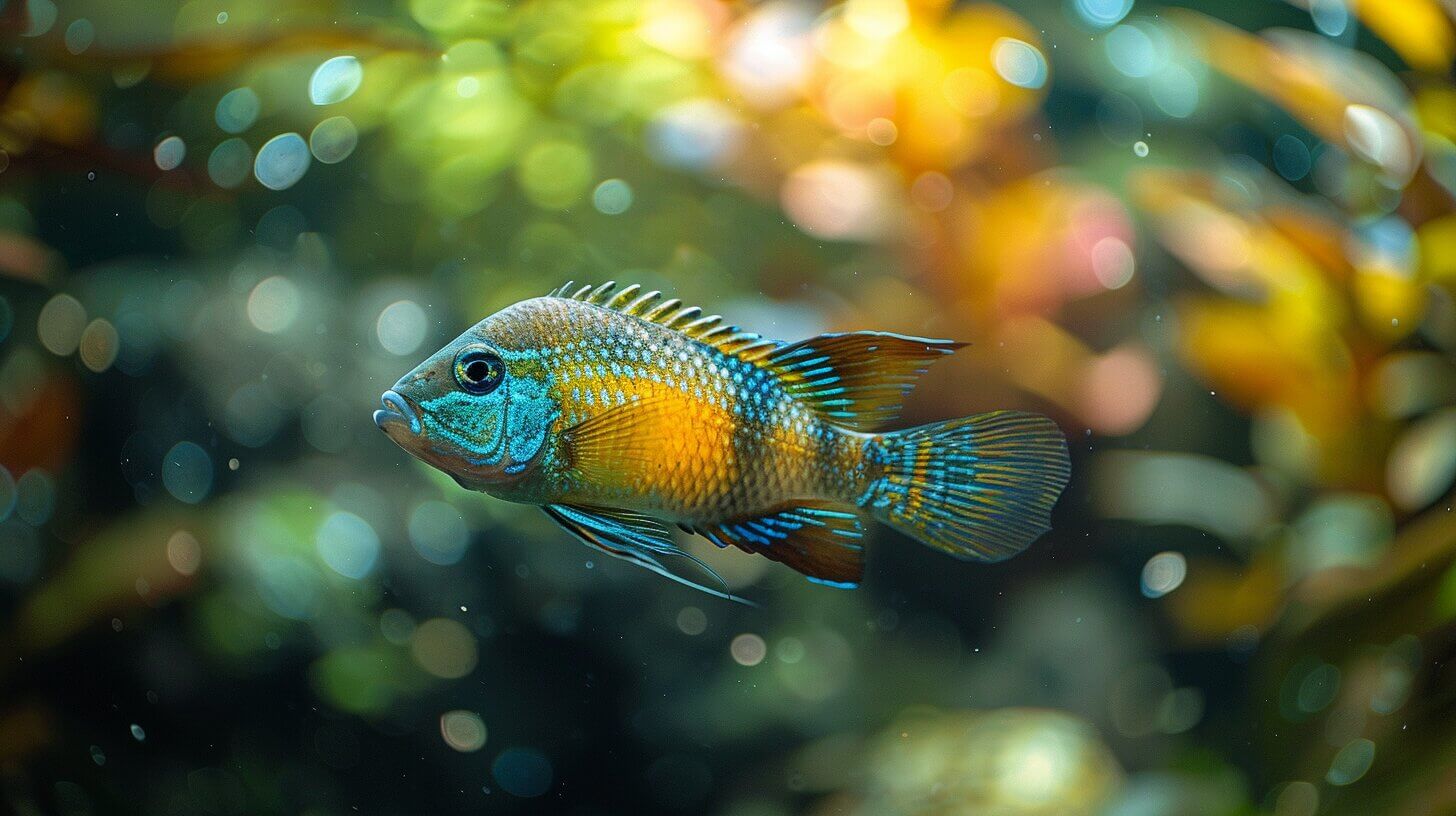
1215	241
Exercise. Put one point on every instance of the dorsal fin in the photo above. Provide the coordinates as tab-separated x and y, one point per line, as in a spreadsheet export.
687	320
856	379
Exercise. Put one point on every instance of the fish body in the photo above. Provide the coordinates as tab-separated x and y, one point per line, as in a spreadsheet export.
620	413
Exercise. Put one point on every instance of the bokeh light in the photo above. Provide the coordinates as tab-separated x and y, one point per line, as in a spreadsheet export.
61	323
438	532
1164	573
230	163
463	730
335	80
692	621
748	649
281	161
401	327
444	648
169	153
1019	63
80	34
274	304
333	139
348	545
1103	13
237	110
612	197
522	772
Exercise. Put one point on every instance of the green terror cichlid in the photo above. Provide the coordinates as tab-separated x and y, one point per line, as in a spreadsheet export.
620	413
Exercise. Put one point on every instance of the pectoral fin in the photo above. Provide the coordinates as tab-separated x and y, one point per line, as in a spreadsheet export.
624	437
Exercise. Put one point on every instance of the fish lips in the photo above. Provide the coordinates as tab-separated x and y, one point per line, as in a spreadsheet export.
396	416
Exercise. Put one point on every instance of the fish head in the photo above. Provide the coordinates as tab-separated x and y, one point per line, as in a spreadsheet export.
478	409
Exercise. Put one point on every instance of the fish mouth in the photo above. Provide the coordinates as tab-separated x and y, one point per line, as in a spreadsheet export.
395	412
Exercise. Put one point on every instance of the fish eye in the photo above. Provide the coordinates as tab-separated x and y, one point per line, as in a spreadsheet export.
479	371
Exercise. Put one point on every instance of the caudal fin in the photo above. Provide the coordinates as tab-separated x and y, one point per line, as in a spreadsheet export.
981	487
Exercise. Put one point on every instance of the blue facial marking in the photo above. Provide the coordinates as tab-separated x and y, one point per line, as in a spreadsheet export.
507	426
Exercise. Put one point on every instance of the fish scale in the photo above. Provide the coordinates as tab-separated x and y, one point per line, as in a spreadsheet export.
744	419
620	413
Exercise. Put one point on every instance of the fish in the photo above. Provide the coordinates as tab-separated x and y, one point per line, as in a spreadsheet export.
624	414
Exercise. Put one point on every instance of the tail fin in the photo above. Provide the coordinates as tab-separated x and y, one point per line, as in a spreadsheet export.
981	487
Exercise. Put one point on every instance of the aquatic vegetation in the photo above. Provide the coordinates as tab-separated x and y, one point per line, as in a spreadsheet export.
1213	246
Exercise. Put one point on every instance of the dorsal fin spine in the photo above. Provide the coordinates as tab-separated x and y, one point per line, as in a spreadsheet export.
702	327
685	313
688	320
655	313
600	292
621	297
635	307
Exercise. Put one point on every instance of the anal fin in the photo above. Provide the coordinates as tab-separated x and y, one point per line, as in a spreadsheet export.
820	540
